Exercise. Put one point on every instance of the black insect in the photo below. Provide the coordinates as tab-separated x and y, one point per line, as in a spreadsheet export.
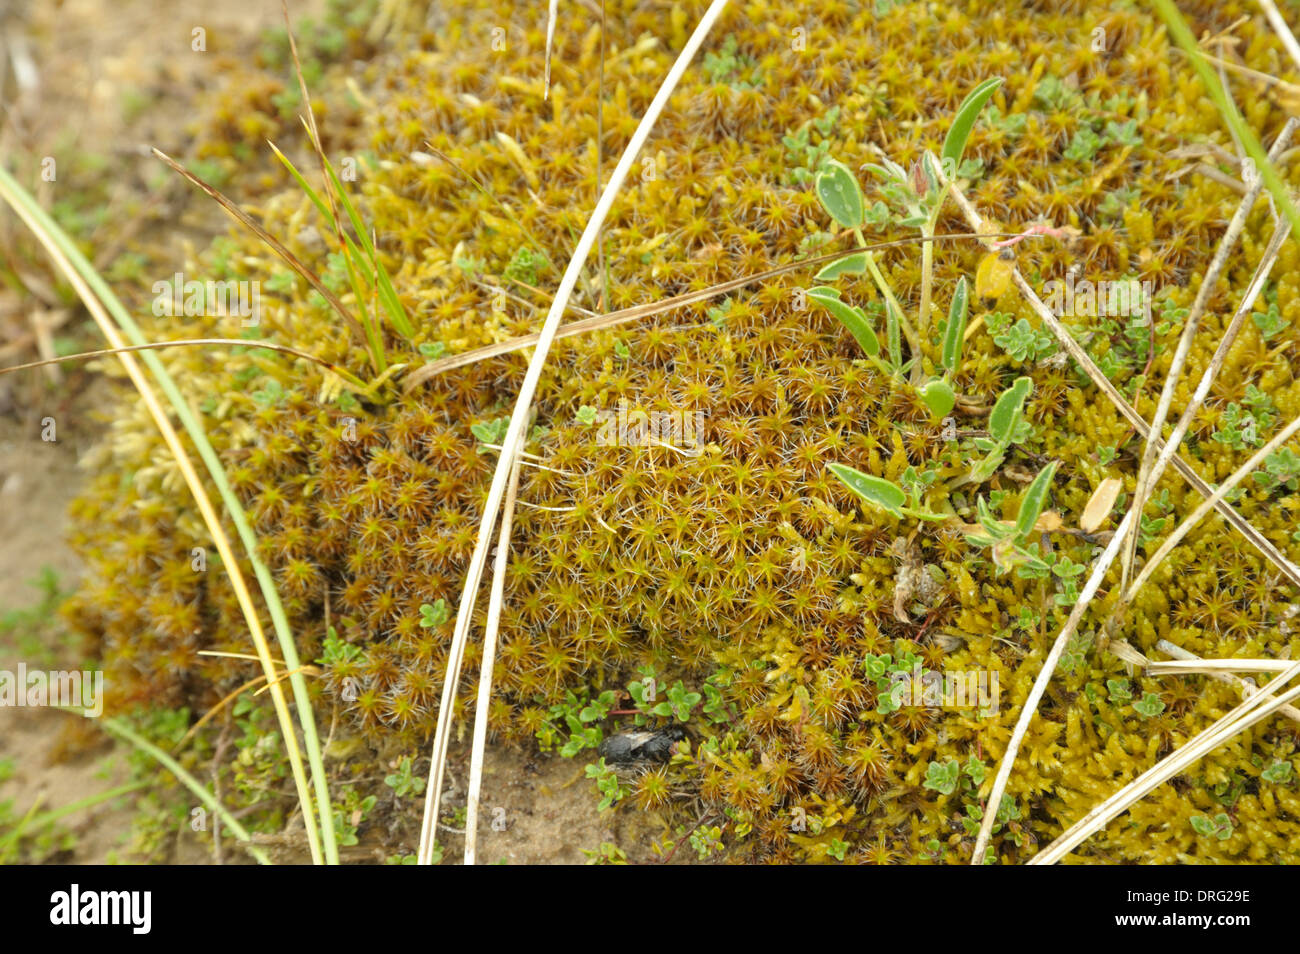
641	746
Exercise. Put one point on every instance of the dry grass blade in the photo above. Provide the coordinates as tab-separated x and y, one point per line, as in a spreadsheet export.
201	499
1246	688
550	43
490	632
519	418
189	343
598	322
1030	707
1283	31
1216	499
1255	708
1149	473
1094	373
274	244
1260	542
1184	668
1241	473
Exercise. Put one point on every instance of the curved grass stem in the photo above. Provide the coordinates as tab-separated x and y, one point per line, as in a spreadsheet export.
101	301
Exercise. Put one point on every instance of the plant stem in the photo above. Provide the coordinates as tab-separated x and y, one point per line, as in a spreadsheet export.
909	332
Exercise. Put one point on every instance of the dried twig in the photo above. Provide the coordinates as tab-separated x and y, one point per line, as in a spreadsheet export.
1261	543
1253	709
1150	471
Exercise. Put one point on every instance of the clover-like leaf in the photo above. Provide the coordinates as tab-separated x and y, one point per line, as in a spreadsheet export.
1278	772
942	776
1149	706
434	614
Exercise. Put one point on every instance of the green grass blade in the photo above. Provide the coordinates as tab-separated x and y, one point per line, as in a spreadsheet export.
355	262
123	731
15	194
1182	35
304	185
33	822
387	293
377	275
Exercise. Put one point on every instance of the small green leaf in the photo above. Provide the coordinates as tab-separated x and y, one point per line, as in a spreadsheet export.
876	491
855	264
955	331
1032	504
954	144
1149	706
838	191
938	397
942	777
852	318
434	614
1006	412
1278	772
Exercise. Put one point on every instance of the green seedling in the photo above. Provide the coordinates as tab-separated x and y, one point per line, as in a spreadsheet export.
1278	773
607	854
349	815
1119	691
911	199
1007	540
1007	426
1220	826
883	494
402	782
1149	706
607	784
707	840
434	614
1270	323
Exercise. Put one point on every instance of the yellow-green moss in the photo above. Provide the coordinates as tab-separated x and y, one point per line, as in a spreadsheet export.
748	556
